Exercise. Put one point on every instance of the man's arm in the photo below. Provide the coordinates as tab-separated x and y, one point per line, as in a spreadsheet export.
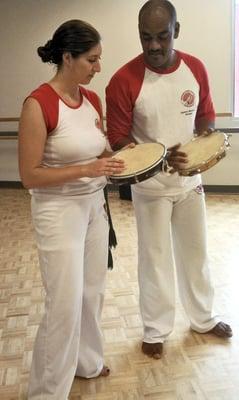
205	118
118	113
121	94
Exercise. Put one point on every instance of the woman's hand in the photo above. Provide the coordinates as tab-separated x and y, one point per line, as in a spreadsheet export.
104	167
106	164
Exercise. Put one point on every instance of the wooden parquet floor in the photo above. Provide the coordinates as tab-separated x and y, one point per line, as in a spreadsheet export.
194	367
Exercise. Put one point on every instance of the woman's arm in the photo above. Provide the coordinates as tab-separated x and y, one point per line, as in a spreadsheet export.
32	138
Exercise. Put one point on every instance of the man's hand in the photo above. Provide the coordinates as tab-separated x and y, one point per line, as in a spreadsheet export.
176	158
124	143
206	132
129	146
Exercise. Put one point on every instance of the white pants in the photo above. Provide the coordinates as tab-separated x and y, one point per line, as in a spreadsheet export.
72	239
173	230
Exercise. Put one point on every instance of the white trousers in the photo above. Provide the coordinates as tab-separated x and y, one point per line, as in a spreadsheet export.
172	231
72	239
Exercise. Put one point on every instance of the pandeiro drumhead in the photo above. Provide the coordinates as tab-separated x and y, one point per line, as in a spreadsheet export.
142	161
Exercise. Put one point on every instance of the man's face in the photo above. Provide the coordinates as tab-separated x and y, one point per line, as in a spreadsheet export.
157	32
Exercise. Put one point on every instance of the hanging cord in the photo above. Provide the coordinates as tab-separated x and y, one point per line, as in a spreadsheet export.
112	235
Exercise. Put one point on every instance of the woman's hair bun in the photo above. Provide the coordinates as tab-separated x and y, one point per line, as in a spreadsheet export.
46	52
74	36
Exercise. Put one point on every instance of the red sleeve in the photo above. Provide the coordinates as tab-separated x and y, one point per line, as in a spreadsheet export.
49	103
121	94
205	107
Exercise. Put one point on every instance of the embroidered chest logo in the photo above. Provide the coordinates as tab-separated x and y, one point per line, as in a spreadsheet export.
97	123
188	98
99	126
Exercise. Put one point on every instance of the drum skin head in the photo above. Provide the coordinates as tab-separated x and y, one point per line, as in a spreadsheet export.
139	160
140	157
203	152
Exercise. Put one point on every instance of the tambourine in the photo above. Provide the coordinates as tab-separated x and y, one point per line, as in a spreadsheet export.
142	162
204	152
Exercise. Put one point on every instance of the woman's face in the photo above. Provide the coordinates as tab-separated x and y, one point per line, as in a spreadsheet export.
84	67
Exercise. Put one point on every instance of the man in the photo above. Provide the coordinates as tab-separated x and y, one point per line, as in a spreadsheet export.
163	96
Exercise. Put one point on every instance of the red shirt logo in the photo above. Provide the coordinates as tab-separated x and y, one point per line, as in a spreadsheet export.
188	98
98	123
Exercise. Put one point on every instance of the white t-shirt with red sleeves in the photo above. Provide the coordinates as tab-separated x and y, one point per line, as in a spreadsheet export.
74	137
159	106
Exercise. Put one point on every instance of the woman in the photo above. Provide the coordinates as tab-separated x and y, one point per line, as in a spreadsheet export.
63	160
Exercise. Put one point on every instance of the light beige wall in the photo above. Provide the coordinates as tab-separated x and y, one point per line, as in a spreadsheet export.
206	32
26	24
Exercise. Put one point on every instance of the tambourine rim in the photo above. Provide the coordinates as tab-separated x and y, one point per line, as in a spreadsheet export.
206	163
196	166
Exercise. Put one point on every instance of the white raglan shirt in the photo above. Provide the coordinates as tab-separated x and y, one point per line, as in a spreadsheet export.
74	137
159	106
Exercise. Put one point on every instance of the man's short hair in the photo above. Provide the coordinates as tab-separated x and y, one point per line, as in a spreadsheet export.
152	4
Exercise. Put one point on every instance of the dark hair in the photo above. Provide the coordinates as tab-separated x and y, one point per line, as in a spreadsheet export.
74	36
151	4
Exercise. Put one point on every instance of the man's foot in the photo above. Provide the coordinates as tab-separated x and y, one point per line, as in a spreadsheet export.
221	330
105	371
154	350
